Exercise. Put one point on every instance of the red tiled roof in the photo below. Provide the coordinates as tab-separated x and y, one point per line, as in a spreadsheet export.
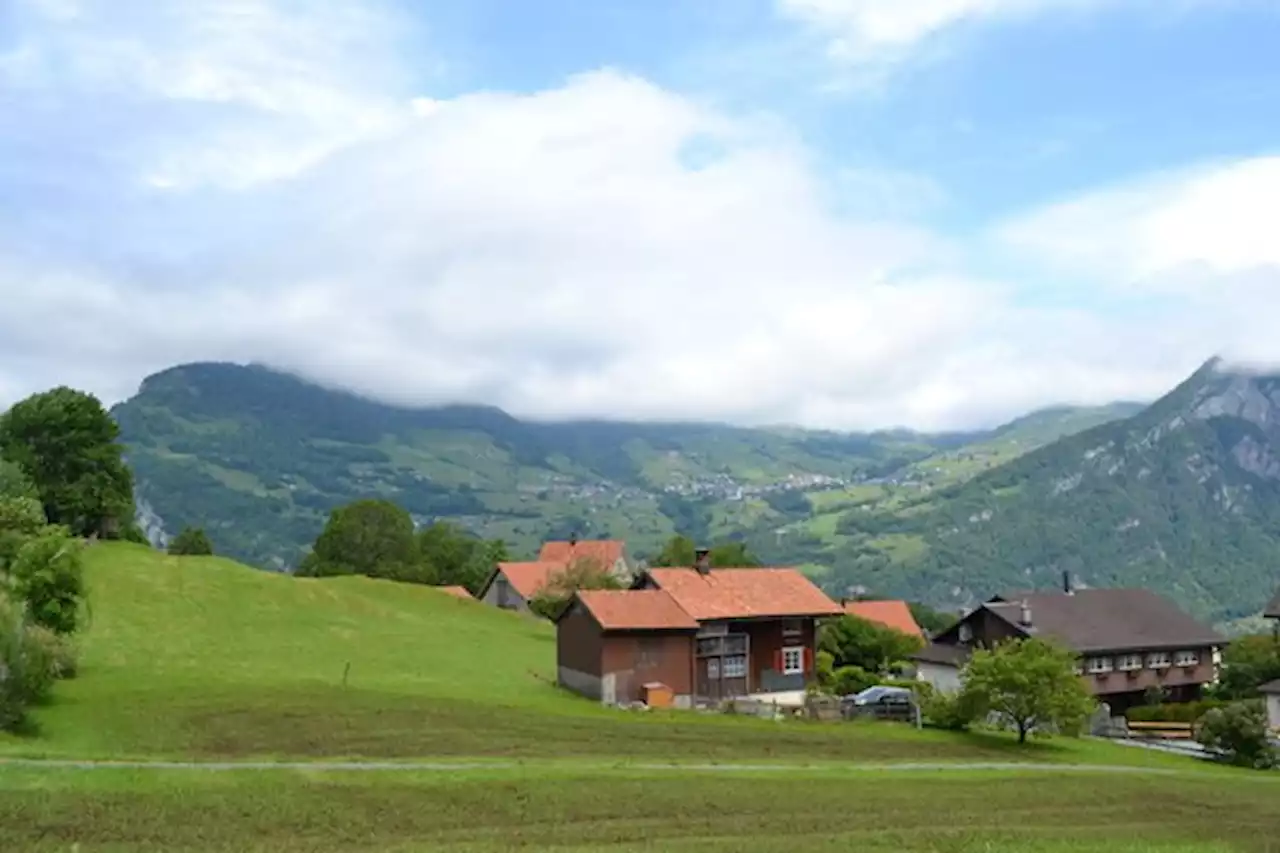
636	610
744	593
891	614
458	591
606	551
528	578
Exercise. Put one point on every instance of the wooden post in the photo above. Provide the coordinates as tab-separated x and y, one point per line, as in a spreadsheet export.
346	671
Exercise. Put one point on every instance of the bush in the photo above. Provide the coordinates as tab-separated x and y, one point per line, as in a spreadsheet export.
846	680
26	667
1239	733
56	652
1181	712
48	576
191	542
945	710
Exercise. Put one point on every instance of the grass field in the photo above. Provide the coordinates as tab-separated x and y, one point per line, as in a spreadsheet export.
202	659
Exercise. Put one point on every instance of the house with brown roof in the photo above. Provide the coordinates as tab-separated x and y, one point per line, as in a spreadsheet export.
706	634
1128	641
889	614
512	586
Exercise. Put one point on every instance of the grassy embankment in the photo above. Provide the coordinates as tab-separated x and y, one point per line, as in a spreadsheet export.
204	659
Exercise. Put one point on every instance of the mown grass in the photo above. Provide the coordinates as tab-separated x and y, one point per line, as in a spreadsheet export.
203	658
137	811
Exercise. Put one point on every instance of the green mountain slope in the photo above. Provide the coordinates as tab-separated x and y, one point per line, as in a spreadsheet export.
1183	497
259	458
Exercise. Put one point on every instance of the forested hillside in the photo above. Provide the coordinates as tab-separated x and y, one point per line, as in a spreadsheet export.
258	458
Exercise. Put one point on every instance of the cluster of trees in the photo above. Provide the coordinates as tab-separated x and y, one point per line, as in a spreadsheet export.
62	480
377	539
855	653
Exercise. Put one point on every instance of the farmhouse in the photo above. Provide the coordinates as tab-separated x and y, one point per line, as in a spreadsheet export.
890	614
698	634
512	586
1128	641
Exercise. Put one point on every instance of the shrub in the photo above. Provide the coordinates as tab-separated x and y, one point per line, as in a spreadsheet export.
1239	733
192	541
56	651
48	576
26	667
945	710
1182	712
846	680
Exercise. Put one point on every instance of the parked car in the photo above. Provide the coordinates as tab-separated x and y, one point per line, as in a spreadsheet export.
881	702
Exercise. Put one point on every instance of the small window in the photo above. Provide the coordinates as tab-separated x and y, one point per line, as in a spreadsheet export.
1097	665
792	628
1129	663
1187	659
1159	660
735	666
793	660
713	669
966	633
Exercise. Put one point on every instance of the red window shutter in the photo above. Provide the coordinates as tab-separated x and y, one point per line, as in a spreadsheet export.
808	659
777	660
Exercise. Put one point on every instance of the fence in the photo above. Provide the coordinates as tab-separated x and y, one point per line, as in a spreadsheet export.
1161	731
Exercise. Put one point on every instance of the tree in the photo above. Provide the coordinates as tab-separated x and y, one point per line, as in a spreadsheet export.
20	519
191	542
1030	683
932	621
14	482
585	573
456	557
1247	664
47	576
65	441
1240	733
369	537
681	551
872	647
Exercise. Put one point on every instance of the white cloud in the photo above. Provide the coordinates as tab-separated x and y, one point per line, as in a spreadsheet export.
553	252
875	31
1170	231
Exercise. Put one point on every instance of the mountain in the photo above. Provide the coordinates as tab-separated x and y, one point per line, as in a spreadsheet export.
259	458
1183	497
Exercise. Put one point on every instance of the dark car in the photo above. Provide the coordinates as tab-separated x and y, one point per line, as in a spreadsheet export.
881	702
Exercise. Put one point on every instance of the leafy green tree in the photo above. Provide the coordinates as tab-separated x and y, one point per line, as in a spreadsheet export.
66	443
1239	732
456	557
20	519
1247	664
585	573
47	576
1030	683
860	643
682	551
191	542
14	482
932	621
369	537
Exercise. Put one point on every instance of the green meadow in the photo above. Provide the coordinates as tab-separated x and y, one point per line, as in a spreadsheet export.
203	660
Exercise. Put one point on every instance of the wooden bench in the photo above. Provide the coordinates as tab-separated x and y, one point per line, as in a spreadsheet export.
1162	730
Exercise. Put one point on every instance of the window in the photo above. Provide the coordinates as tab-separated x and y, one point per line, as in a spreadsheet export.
792	629
1129	663
1159	660
713	669
648	652
735	666
1098	665
793	660
966	633
1186	659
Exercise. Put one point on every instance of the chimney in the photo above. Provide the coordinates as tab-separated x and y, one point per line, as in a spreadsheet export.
1025	618
573	539
702	561
1066	582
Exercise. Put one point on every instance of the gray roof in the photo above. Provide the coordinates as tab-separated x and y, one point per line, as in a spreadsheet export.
1107	620
1273	607
945	654
1270	687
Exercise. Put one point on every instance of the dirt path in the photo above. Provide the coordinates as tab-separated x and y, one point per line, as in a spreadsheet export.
462	766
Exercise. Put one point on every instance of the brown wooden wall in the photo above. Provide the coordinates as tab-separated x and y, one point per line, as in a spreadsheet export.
579	645
637	659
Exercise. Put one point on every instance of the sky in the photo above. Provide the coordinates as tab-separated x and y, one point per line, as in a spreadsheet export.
845	214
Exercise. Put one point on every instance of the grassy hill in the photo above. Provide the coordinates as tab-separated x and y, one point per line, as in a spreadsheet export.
259	458
204	659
